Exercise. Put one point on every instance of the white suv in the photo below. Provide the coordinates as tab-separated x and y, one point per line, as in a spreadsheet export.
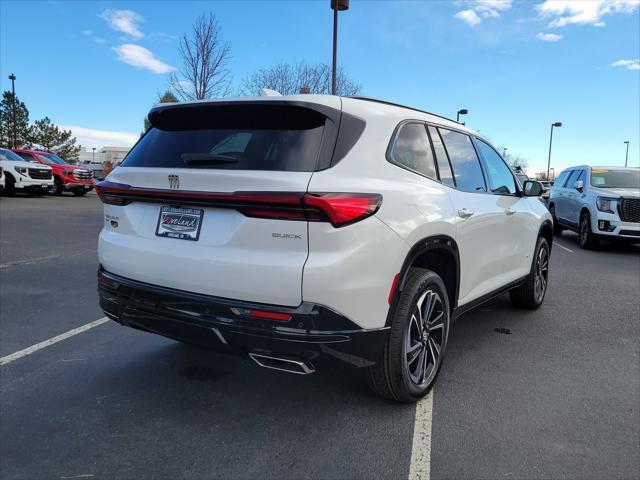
303	228
25	176
597	202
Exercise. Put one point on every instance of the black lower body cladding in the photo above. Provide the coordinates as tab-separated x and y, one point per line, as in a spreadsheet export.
312	332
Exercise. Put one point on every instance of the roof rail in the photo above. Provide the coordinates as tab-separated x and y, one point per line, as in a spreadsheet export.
386	102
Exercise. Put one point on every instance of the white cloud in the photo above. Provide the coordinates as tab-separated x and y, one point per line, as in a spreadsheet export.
90	137
140	57
583	12
125	21
548	37
477	10
629	64
95	38
468	16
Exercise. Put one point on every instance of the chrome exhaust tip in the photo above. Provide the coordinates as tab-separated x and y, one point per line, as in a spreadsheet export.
299	367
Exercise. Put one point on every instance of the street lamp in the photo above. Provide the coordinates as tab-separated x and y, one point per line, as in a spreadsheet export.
94	155
462	111
336	6
12	77
557	124
626	157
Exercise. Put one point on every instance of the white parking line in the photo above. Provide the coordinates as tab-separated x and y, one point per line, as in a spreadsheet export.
420	468
563	247
58	338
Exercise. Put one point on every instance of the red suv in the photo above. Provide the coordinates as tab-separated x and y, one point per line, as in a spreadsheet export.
78	180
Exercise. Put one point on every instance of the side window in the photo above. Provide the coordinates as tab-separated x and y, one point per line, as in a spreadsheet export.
500	178
464	161
411	149
571	179
582	176
444	168
559	182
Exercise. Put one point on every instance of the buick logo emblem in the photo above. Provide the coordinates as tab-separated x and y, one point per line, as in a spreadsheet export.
174	182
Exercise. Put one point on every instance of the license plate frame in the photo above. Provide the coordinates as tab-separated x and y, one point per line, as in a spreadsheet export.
179	223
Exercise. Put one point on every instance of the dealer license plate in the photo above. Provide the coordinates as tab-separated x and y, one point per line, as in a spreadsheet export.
180	223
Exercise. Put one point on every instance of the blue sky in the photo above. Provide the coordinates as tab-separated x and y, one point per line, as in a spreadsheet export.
517	66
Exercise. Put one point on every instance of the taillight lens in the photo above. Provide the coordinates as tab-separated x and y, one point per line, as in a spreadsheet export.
339	209
342	208
112	193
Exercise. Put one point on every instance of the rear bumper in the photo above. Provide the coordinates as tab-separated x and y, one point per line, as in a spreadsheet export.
312	333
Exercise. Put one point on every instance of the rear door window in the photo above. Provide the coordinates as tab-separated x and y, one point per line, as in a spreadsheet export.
232	137
464	161
559	182
411	149
446	176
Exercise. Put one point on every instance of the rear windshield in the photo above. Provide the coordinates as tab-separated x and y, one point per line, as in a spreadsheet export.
232	137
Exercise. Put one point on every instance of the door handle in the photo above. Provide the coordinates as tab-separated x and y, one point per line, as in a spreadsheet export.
509	211
465	213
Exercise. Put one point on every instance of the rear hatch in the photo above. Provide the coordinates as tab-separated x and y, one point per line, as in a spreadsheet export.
205	200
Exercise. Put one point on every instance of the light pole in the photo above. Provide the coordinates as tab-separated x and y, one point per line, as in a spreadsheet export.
94	155
336	6
556	124
626	157
504	152
12	77
462	111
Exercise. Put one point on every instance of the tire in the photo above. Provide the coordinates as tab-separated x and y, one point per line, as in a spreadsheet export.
531	293
9	187
586	239
56	189
412	357
557	229
79	193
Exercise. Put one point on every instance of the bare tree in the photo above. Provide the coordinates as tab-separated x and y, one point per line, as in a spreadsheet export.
516	161
288	78
205	71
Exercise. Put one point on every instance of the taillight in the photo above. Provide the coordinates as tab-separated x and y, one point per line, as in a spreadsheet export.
342	208
339	209
113	193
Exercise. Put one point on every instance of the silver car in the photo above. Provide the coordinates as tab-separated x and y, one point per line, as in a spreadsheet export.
597	202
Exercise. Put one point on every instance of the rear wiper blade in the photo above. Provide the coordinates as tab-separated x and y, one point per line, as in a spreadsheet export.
207	158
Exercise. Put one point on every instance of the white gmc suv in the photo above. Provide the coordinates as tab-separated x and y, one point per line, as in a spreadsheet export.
299	229
24	176
598	203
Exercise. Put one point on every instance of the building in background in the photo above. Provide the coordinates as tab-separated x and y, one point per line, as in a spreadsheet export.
100	157
104	154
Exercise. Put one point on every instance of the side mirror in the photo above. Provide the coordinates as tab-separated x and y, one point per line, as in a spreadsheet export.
532	188
579	185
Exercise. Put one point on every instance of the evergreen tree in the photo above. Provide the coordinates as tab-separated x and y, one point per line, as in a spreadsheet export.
6	122
166	97
48	136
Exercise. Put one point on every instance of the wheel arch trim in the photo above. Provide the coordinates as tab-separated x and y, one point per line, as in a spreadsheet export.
547	224
435	242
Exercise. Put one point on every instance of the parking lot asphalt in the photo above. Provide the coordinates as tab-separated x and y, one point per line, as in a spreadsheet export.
552	393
